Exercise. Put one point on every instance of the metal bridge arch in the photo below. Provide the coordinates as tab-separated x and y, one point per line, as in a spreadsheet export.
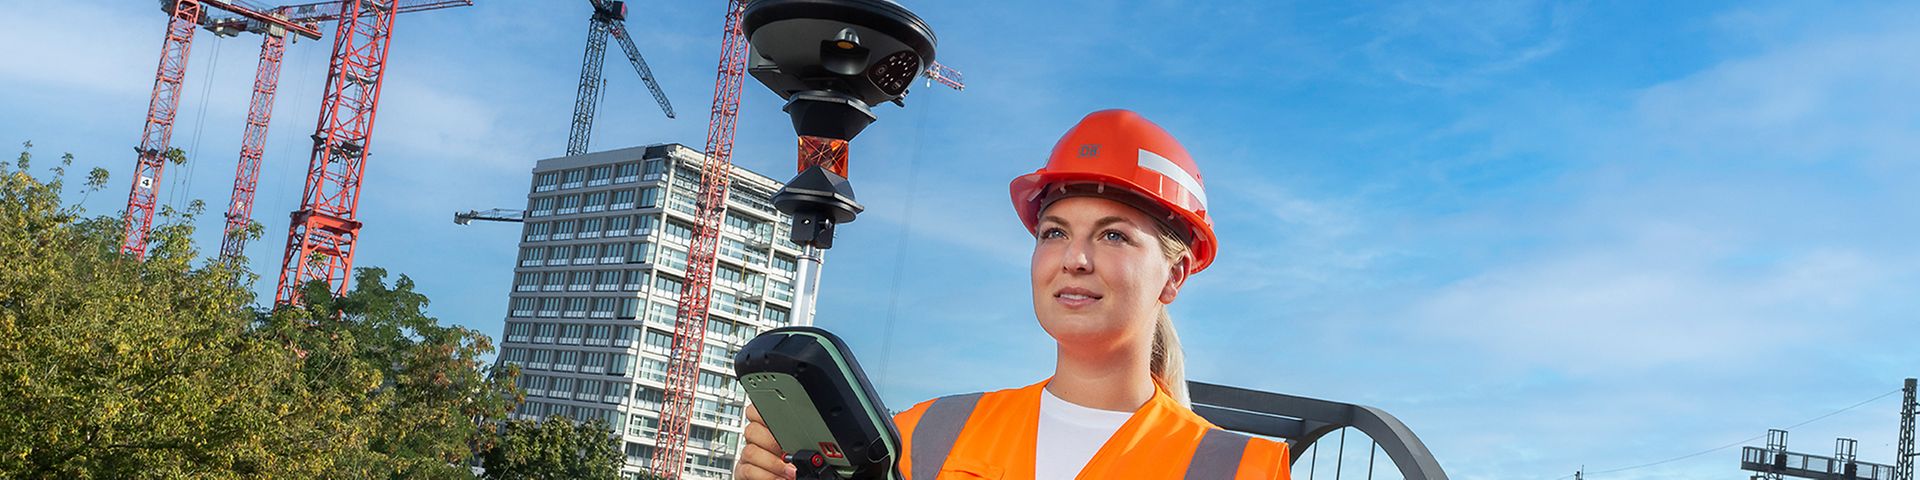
1301	421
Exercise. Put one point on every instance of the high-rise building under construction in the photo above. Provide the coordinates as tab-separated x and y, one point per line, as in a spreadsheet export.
602	258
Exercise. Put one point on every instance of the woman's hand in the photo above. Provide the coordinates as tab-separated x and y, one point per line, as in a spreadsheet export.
760	455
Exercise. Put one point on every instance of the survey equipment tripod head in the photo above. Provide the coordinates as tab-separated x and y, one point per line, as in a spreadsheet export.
832	60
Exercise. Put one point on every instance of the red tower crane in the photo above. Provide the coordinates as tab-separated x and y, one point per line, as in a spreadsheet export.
266	79
185	17
322	232
690	329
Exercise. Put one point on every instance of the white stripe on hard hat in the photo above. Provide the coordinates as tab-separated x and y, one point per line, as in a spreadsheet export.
1157	163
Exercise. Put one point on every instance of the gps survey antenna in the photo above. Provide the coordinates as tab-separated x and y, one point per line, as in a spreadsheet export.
831	60
819	405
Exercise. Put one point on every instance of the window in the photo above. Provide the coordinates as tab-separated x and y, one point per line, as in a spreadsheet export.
568	204
655	168
657	340
563	230
613	253
619	226
622	363
785	264
622	334
728	274
635	278
570	333
582	280
596	202
638	252
573	178
584	254
603	308
673	258
532	256
522	307
781	290
714	381
541	207
559	255
622	199
555	280
629	308
567	360
526	282
666	283
596	363
549	308
649	197
545	182
663	314
545	333
537	232
627	173
677	231
608	281
776	315
542	359
519	331
590	228
576	308
598	176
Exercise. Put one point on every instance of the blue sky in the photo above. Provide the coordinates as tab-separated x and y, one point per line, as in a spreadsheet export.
1544	234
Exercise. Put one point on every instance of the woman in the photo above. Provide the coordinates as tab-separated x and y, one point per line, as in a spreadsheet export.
1119	218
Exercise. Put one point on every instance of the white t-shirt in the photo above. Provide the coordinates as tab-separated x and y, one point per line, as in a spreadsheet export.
1070	435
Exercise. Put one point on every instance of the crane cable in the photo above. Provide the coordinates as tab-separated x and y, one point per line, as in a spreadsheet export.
900	250
184	181
1742	441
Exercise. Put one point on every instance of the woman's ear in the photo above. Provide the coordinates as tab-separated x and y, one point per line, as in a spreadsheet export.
1176	278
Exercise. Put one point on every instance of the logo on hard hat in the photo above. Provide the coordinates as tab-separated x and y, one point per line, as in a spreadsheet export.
1089	150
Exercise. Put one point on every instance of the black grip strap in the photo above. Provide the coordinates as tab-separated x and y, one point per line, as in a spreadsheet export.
934	435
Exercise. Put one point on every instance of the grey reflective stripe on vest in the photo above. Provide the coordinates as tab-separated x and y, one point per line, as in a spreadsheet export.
1218	456
934	435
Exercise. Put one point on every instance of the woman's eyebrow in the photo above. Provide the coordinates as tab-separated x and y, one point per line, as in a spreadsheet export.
1109	220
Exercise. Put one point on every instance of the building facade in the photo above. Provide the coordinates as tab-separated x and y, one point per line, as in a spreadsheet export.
602	258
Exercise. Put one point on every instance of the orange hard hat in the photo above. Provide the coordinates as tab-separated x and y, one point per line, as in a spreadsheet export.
1120	148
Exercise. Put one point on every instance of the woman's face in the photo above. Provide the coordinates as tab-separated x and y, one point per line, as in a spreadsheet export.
1099	274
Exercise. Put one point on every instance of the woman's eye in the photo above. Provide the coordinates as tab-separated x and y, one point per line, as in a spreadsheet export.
1052	233
1113	236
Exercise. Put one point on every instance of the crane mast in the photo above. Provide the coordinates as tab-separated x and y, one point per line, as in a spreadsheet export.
266	80
159	126
273	30
609	20
690	332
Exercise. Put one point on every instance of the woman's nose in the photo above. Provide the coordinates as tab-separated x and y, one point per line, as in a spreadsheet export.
1077	259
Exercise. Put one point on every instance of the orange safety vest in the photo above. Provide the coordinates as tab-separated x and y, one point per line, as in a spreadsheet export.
993	435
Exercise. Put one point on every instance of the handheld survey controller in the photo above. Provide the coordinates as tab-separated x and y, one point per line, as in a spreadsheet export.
819	406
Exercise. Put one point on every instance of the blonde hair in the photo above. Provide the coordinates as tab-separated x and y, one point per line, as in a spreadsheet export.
1169	362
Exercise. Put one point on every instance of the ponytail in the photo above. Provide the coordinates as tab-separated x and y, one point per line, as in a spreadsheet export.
1169	362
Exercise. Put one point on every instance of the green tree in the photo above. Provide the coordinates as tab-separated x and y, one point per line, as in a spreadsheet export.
112	367
553	449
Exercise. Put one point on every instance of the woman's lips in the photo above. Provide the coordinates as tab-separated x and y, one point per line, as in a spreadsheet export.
1075	298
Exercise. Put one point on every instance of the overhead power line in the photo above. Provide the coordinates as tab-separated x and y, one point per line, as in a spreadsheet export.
1740	442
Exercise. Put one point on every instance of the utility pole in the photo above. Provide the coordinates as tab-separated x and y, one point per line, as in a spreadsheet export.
1903	461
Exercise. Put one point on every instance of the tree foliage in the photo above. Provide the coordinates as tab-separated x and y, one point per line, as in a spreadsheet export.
553	449
112	367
